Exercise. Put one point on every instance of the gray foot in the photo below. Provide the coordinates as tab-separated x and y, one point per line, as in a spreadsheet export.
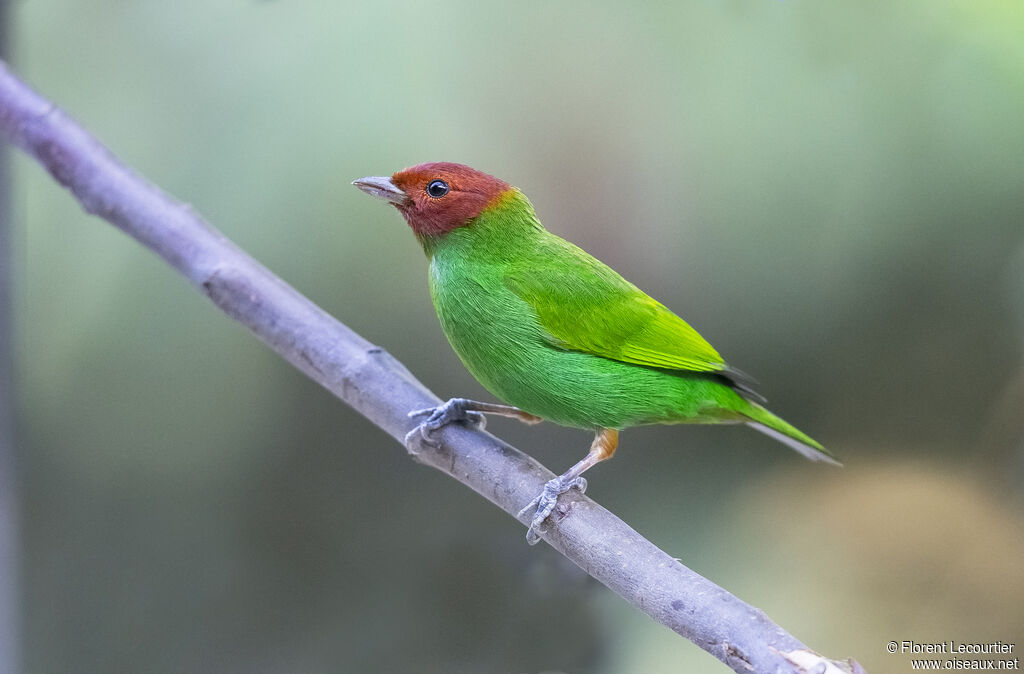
456	409
546	502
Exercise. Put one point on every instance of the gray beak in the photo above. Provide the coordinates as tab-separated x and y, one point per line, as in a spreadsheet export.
382	188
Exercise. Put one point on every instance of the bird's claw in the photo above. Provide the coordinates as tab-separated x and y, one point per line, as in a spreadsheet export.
545	503
456	409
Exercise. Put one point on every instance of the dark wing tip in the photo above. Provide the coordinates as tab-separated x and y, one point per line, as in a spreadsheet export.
742	383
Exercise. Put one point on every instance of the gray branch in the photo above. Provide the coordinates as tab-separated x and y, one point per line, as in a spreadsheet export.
383	390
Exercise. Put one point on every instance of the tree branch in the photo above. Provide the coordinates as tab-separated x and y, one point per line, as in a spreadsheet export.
383	390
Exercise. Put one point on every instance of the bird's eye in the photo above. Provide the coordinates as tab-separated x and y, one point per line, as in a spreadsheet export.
437	189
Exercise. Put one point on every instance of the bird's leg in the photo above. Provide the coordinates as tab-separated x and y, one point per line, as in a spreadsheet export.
602	449
461	409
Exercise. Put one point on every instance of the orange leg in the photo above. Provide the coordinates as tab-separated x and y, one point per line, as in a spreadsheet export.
601	449
503	411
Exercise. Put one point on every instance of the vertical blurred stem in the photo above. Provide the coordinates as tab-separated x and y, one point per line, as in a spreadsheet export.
8	483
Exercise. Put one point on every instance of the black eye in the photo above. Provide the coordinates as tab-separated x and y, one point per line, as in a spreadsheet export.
437	189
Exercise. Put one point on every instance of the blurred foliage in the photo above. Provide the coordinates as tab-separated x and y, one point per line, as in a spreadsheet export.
830	192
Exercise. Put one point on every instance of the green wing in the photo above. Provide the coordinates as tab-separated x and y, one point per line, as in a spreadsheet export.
584	305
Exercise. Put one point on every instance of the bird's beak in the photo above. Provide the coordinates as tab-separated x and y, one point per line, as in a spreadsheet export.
383	188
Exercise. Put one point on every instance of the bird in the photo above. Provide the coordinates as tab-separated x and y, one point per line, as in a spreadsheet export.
556	334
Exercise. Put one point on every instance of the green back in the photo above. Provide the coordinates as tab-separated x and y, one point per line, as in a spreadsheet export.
581	303
550	329
584	305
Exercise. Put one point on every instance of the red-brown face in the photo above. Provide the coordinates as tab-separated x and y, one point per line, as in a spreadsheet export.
438	197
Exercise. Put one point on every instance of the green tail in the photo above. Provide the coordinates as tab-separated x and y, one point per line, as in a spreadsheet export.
774	427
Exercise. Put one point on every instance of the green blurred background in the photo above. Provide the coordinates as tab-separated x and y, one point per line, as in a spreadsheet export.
832	193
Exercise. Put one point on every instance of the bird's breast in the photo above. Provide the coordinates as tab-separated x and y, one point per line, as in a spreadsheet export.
494	332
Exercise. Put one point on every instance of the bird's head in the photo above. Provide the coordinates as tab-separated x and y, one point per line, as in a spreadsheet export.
438	197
